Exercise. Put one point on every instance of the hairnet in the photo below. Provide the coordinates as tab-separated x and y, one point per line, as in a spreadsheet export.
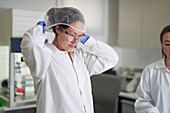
64	16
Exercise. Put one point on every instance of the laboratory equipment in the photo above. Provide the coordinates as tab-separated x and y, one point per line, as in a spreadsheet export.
20	90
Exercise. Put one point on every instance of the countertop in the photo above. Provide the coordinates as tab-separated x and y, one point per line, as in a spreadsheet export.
129	95
17	108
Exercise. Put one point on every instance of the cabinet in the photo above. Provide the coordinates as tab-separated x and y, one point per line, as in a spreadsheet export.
155	18
15	22
141	21
129	27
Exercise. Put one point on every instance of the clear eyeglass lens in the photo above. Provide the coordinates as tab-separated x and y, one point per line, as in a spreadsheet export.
72	37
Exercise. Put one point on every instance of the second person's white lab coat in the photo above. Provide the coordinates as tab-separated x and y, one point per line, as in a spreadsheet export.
154	89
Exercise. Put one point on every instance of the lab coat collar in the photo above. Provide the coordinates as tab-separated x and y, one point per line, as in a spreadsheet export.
55	49
160	64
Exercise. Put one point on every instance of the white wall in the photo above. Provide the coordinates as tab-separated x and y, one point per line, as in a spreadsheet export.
137	58
39	5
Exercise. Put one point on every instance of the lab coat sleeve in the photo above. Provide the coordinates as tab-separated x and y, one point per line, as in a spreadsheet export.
143	104
36	54
101	56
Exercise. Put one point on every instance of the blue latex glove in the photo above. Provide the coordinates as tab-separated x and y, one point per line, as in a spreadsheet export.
42	23
84	38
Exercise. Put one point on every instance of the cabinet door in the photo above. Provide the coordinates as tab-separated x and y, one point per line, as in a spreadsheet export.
130	23
155	17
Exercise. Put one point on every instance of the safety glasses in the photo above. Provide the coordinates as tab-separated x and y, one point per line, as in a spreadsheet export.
72	37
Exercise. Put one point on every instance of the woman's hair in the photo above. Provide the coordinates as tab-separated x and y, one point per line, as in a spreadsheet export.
165	30
54	28
62	16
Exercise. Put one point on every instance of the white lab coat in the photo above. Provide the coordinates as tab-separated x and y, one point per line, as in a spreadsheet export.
64	86
153	91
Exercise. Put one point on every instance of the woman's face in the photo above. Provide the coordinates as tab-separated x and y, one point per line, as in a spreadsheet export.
62	41
166	44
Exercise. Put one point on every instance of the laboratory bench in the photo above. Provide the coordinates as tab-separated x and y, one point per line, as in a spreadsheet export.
17	91
19	105
126	102
19	109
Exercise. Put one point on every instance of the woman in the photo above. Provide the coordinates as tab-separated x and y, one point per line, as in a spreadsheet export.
154	87
62	72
